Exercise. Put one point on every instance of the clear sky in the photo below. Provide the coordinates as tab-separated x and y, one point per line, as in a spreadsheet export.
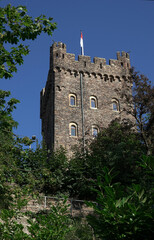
108	26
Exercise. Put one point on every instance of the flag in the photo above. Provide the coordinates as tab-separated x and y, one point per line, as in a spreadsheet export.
81	44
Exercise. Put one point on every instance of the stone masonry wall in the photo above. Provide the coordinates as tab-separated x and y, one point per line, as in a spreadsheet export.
99	80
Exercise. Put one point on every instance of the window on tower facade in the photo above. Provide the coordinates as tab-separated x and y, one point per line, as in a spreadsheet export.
115	105
93	102
73	129
72	100
94	131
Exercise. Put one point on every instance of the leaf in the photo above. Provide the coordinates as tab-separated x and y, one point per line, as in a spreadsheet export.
21	27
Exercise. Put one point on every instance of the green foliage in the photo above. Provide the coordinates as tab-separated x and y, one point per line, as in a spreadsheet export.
119	148
6	108
7	147
53	225
143	99
57	166
140	104
80	230
15	27
10	229
79	177
11	152
42	171
121	214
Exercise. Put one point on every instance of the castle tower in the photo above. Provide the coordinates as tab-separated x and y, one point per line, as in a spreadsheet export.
60	111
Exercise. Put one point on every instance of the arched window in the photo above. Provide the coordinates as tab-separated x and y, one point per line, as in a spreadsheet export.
115	105
93	102
106	77
111	78
72	100
95	131
73	129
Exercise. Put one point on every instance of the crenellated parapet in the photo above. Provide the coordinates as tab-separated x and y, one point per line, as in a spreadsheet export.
64	63
59	58
106	77
75	105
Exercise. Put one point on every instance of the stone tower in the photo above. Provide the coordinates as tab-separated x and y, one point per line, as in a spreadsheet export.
80	97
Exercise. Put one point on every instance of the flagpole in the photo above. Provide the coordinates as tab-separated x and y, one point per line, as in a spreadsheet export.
80	41
81	87
82	109
81	44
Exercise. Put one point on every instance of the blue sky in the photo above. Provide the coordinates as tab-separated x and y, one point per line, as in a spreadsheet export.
108	26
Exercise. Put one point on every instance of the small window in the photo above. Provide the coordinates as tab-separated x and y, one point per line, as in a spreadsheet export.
94	131
93	102
106	77
111	78
115	105
73	129
72	100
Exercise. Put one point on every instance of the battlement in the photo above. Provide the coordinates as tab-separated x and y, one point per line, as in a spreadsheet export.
59	57
122	56
58	45
67	96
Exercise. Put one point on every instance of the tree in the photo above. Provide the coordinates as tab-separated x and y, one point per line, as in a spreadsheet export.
44	172
117	147
120	214
33	171
7	146
140	104
15	27
52	224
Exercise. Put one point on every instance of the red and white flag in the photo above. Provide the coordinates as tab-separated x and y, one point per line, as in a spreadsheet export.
81	44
